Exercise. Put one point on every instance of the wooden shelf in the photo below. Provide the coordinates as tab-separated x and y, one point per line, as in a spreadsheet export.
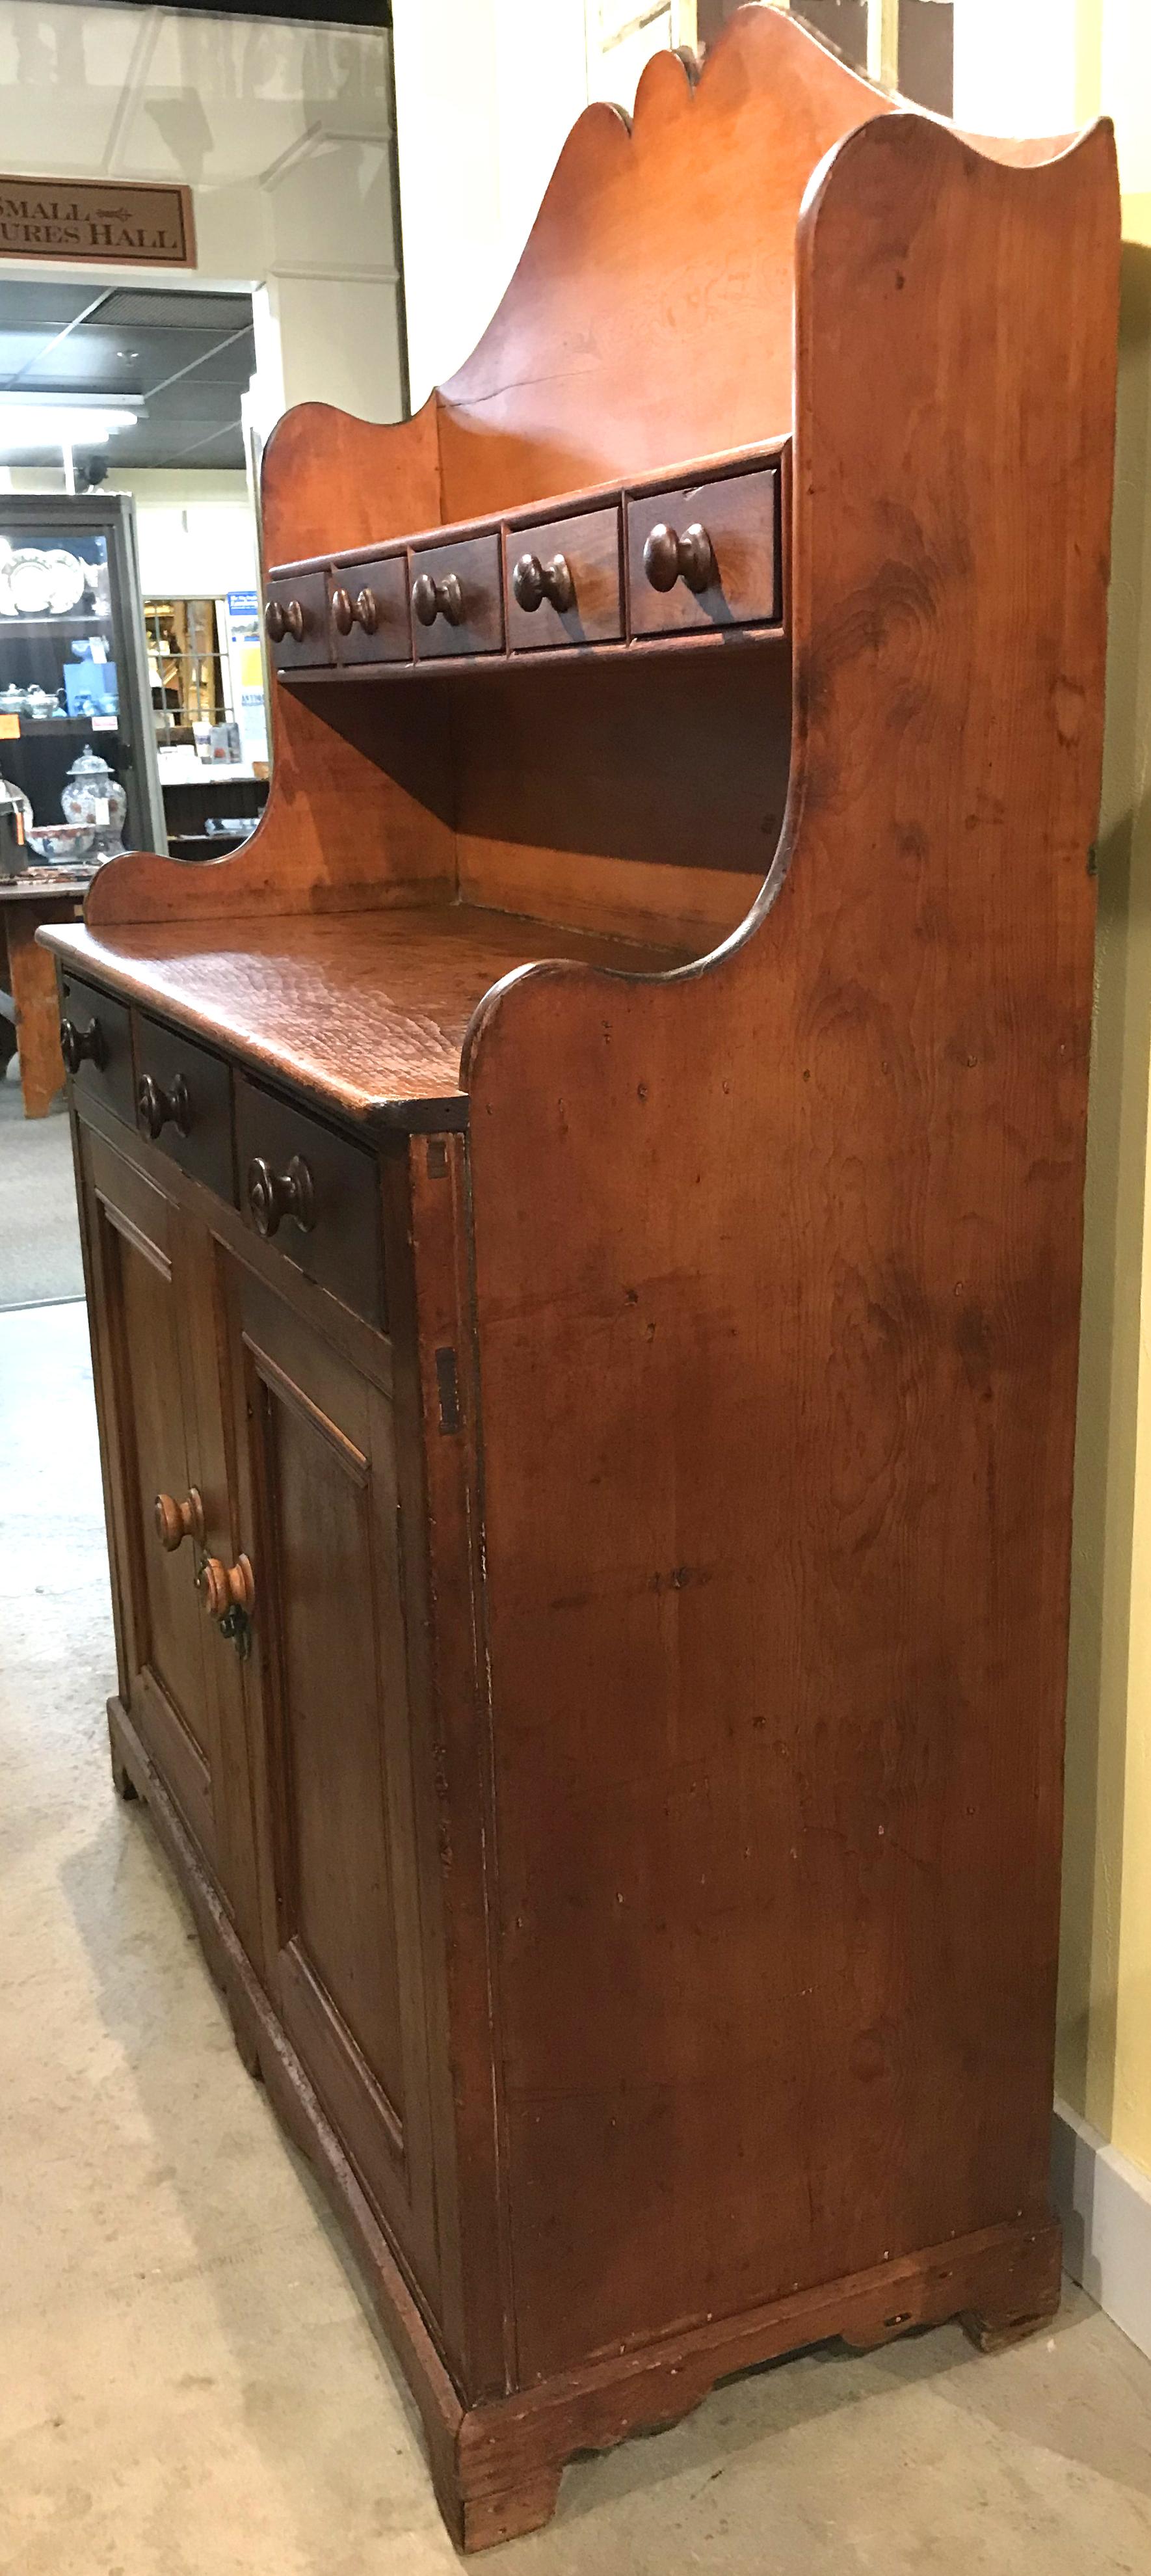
31	727
38	625
739	640
364	1015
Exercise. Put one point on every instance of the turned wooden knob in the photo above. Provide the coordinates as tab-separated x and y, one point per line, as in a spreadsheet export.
533	582
362	611
177	1521
78	1045
274	1195
156	1108
432	599
226	1587
668	558
284	618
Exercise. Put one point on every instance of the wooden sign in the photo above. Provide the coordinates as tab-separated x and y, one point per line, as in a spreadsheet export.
86	219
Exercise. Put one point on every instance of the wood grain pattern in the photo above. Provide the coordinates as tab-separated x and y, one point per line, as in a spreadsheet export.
604	358
496	2466
365	1015
739	515
664	1623
30	979
340	1246
305	596
473	564
588	541
105	1026
389	638
316	1447
649	798
202	1142
805	1644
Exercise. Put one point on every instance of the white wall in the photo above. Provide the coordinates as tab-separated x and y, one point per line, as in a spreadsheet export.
486	93
1016	65
196	532
283	132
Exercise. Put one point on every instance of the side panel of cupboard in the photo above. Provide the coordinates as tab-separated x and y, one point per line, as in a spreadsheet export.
317	1502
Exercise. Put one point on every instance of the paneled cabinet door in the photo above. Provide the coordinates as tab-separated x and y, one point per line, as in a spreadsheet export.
142	1279
317	1482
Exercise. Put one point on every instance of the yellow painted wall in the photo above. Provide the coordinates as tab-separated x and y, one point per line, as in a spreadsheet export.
1041	66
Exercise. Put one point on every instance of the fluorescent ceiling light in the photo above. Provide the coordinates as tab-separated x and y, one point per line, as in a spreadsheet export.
26	425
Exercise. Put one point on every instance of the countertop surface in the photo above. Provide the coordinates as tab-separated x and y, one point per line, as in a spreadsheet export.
365	1011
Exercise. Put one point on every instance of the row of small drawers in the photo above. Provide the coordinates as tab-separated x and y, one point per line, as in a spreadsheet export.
312	1190
655	563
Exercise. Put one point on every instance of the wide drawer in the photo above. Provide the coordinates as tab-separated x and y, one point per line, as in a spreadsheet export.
314	1194
371	621
96	1044
184	1103
564	582
706	555
456	604
296	621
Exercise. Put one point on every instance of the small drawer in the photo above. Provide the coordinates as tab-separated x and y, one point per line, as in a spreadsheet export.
96	1044
184	1104
371	621
707	555
296	621
455	595
314	1194
564	582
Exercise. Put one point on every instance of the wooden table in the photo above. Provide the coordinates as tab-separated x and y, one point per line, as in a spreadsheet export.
29	1017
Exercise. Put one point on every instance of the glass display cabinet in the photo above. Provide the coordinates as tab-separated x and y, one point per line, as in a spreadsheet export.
77	737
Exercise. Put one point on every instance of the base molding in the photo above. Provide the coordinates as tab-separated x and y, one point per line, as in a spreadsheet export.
496	2466
1104	2202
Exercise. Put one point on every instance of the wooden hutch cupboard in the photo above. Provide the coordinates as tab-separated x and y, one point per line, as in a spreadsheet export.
583	1222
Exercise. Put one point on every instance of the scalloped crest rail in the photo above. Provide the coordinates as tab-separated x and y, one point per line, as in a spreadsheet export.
583	1217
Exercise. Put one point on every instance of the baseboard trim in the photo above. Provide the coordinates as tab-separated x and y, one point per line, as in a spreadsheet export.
1104	2202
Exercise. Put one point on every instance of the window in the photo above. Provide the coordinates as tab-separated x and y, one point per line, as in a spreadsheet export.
184	666
926	53
842	23
622	35
911	39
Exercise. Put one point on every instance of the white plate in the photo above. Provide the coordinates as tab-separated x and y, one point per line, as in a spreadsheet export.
67	580
29	583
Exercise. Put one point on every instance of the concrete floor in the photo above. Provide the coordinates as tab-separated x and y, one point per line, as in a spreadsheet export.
189	2385
39	1237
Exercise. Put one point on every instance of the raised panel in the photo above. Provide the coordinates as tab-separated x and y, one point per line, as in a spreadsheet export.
141	1296
330	1669
339	1891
